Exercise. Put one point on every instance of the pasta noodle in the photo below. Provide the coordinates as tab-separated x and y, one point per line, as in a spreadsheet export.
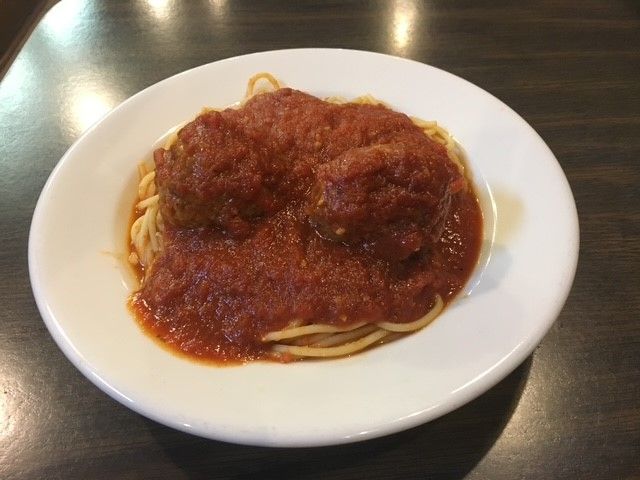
316	340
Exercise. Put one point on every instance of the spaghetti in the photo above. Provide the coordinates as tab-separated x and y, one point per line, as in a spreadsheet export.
298	339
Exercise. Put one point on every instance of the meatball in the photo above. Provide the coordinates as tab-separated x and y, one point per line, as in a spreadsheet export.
214	174
388	198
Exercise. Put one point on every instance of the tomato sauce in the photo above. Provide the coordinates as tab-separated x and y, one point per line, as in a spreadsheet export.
251	245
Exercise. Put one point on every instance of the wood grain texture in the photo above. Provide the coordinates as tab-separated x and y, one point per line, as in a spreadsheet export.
17	19
571	69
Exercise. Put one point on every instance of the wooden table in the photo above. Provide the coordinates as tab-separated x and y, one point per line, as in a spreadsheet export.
571	69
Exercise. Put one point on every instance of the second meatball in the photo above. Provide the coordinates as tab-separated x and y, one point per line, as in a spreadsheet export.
388	198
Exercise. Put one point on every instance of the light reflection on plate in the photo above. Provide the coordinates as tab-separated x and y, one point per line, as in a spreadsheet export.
511	303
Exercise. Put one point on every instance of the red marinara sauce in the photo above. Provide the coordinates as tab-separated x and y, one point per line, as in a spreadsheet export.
292	208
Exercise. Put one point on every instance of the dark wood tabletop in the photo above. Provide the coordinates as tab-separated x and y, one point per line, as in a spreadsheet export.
571	69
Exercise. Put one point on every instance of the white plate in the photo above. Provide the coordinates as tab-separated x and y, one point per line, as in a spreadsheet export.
77	245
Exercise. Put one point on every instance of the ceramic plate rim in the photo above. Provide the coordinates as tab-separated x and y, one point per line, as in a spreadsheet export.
252	432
